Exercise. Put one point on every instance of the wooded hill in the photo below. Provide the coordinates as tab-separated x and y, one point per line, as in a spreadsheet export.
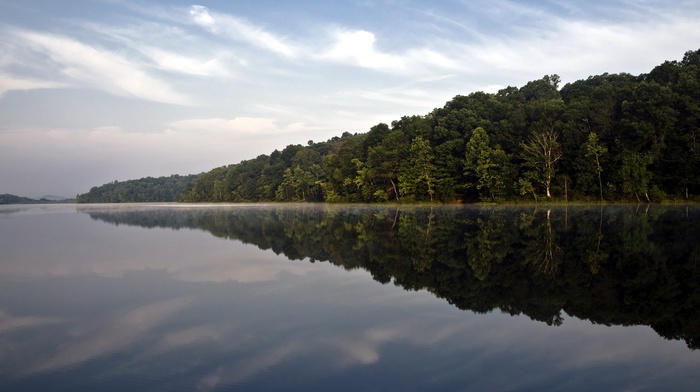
7	198
611	137
149	189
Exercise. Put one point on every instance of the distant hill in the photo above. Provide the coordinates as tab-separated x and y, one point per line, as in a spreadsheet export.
148	189
54	198
7	198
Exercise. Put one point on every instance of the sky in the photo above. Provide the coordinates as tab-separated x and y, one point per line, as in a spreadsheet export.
93	91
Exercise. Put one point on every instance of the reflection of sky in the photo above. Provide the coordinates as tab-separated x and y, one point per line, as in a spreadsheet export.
87	304
100	249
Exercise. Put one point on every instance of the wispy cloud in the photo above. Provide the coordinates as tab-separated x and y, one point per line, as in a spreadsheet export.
9	83
178	63
167	47
240	30
580	48
89	66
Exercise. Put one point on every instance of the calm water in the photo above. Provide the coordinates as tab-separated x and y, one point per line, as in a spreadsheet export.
304	298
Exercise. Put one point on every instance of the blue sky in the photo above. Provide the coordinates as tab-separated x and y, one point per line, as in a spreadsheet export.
103	90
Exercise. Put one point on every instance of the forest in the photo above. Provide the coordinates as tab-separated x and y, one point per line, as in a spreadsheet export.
608	138
149	189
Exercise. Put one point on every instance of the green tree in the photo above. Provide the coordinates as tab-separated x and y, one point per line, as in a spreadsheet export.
417	172
488	164
299	184
594	151
380	171
635	174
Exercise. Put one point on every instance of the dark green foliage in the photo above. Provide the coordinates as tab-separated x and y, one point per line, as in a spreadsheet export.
149	189
534	143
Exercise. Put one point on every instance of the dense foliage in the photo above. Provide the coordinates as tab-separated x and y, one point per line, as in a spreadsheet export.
149	189
609	137
614	265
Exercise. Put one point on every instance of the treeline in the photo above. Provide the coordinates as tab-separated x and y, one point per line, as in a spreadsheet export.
7	198
148	189
610	137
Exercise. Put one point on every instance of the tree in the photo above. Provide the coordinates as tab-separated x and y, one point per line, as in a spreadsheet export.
418	170
297	185
542	152
545	88
634	173
382	165
488	164
595	150
524	185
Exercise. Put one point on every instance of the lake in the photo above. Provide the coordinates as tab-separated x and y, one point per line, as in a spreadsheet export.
349	298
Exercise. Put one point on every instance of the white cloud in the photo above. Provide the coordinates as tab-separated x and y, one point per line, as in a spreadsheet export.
357	48
200	15
175	62
240	30
9	83
93	67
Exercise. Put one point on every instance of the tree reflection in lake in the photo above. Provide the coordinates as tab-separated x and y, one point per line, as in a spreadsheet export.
613	265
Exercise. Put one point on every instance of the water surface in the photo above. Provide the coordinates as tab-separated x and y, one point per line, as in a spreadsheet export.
319	297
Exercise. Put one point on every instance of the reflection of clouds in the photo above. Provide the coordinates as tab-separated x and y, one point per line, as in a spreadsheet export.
193	336
595	344
245	369
363	351
576	344
364	347
230	262
117	331
114	251
236	351
9	322
264	359
247	264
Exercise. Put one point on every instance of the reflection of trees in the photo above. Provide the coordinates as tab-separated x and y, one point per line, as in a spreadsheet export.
542	253
489	246
597	257
610	265
417	242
